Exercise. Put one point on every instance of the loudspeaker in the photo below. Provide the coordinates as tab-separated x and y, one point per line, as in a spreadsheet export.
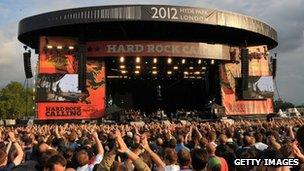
81	67
245	68
27	64
274	67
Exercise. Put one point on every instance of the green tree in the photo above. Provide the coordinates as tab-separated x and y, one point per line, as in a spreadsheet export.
300	106
16	101
280	104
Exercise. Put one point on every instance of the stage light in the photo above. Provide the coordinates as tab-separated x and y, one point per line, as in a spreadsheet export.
137	59
122	66
169	72
155	60
203	68
199	61
49	46
71	47
154	67
169	60
137	67
197	73
186	73
123	71
175	67
59	47
154	72
212	61
183	61
136	72
122	59
190	67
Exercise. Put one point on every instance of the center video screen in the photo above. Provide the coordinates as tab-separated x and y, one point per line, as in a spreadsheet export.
58	87
259	87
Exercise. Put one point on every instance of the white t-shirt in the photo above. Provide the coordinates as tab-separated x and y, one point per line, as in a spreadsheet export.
261	146
89	167
172	167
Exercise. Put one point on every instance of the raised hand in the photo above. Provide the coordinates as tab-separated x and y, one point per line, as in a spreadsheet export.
144	142
296	151
122	147
11	136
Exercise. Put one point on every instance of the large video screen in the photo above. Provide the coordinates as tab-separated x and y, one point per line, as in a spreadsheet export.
58	87
259	87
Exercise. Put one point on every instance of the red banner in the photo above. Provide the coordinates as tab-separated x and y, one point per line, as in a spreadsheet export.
61	98
258	66
57	63
90	105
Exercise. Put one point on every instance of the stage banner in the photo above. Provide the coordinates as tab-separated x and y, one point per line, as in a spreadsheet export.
58	96
258	68
157	48
88	105
57	55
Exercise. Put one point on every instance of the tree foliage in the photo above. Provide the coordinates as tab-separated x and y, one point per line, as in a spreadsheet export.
16	101
280	104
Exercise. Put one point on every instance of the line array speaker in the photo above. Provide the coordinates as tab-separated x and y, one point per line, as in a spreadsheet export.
274	67
245	68
27	64
81	67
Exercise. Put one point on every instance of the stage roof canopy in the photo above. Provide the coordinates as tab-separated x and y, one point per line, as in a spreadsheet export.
148	22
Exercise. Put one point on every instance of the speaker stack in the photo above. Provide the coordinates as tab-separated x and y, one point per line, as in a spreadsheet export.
274	67
81	67
245	68
27	64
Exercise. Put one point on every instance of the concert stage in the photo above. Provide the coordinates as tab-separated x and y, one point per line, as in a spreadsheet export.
149	58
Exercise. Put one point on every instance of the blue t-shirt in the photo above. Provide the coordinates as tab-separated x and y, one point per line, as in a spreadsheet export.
8	167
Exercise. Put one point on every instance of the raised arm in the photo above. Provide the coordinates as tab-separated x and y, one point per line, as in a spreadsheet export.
122	148
159	163
18	159
98	144
297	152
57	132
291	134
198	132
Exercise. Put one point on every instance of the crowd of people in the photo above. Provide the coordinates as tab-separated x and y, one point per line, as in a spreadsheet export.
192	146
159	114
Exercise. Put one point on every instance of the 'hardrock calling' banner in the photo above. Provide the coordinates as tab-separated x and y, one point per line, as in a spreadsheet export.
90	104
58	96
258	66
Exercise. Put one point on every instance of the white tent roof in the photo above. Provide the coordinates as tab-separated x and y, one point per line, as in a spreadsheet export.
280	112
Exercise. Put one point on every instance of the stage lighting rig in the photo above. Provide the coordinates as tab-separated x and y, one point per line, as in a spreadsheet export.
155	60
169	60
49	47
121	59
137	60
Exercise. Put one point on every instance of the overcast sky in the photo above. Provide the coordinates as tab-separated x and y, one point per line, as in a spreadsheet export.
286	16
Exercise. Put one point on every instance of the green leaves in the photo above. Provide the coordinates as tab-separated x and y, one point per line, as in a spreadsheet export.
279	104
16	101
